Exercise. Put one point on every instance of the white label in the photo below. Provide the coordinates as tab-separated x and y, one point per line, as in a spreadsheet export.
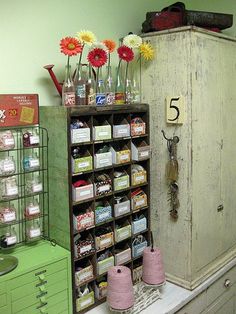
138	129
122	209
85	248
104	215
85	275
37	187
139	178
122	183
11	240
140	250
144	154
84	164
86	192
12	191
141	202
86	302
34	163
104	188
103	133
8	141
34	139
34	233
122	131
80	135
105	241
104	161
8	165
32	210
125	156
7	217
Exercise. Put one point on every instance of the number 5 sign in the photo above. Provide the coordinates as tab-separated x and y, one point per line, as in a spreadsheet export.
175	109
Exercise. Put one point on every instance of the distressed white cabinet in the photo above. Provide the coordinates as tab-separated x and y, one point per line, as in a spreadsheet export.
200	67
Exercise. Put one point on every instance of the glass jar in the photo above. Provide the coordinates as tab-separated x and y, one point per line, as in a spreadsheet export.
7	165
31	163
7	140
33	230
32	209
31	138
7	214
9	188
34	185
9	239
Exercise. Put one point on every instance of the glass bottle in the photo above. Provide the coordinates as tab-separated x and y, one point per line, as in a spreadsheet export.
119	89
90	88
100	91
110	88
136	87
128	88
68	89
80	85
33	230
172	170
9	239
32	209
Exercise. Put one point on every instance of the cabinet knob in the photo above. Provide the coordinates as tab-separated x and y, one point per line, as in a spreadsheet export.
43	311
42	288
43	300
41	277
227	283
220	208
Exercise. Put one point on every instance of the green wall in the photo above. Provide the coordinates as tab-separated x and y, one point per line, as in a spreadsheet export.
30	32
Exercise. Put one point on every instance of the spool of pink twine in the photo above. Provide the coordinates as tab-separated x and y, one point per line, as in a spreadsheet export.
153	270
120	293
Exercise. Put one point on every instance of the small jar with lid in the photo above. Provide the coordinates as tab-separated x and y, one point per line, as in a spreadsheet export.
31	162
33	230
9	188
7	214
31	138
9	239
7	140
32	209
7	166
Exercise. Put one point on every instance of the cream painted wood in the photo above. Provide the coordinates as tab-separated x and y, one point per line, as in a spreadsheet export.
198	305
226	304
200	66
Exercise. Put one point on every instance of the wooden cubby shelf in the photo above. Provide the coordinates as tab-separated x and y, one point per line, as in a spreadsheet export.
100	194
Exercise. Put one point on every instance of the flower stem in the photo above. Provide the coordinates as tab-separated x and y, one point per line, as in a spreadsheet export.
80	56
97	79
126	75
118	69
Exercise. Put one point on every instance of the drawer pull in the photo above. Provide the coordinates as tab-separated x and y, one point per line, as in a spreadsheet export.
227	283
43	311
42	288
43	300
42	277
220	208
40	272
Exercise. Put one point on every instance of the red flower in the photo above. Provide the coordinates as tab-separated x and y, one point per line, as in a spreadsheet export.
70	46
97	57
125	53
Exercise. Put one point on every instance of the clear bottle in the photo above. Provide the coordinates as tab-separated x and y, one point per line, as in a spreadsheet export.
136	87
128	88
80	85
90	88
68	89
9	239
110	88
119	89
100	91
33	230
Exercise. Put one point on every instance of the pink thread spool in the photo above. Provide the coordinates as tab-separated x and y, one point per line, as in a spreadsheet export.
153	270
120	293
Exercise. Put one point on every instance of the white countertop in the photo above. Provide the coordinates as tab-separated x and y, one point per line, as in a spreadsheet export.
173	297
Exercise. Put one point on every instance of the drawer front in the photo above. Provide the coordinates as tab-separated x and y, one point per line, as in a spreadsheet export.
34	288
38	275
56	304
39	299
3	301
221	285
195	306
2	288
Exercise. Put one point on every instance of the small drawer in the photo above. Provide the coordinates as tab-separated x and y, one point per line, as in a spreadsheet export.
85	301
103	266
3	301
80	135
197	305
221	285
38	275
121	183
82	164
123	257
82	193
122	208
122	233
2	287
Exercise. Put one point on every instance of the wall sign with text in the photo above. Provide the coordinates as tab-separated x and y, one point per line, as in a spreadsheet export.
175	110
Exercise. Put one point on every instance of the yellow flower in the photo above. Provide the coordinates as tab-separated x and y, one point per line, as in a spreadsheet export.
147	51
86	37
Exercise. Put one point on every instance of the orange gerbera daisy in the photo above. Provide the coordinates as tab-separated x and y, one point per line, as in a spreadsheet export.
110	44
70	46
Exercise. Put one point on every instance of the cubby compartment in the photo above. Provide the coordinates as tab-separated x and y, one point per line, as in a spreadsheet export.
121	204
103	211
121	153
122	229
84	244
103	156
84	271
105	260
102	127
139	199
83	217
138	174
140	149
82	188
85	297
81	159
80	129
138	124
121	126
103	183
139	222
100	288
137	270
104	237
121	178
122	253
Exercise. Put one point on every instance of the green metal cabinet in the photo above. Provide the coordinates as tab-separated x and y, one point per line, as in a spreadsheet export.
41	283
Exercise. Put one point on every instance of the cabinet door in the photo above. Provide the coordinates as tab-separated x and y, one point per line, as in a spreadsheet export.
206	149
226	304
228	153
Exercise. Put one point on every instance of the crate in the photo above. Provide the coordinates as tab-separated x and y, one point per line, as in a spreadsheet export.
139	177
103	266
123	257
102	132
103	187
140	152
138	201
121	130
80	135
137	249
139	225
122	233
138	129
82	164
85	301
100	292
103	213
102	160
82	193
104	240
83	221
121	183
120	157
84	275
